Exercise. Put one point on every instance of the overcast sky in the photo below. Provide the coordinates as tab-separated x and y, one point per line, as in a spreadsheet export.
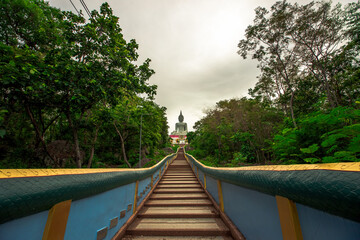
192	45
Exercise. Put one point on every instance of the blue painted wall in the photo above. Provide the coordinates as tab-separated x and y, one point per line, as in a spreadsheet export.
316	224
254	213
211	187
142	186
256	216
201	177
30	227
248	209
89	215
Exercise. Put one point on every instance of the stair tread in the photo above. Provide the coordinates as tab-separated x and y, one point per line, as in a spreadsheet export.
173	210
178	186
179	190
178	195
132	237
179	202
193	178
180	176
178	182
179	224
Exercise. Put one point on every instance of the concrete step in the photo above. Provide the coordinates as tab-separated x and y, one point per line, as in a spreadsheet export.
183	176
161	186
130	237
178	227
184	172
179	212
169	196
182	164
178	182
179	190
179	179
179	167
178	202
179	174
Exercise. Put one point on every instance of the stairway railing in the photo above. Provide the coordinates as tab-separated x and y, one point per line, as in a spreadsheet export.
289	201
73	203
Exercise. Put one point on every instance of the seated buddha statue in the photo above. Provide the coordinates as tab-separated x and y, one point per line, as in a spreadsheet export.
181	127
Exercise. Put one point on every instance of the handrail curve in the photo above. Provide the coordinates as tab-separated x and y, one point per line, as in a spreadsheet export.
25	192
333	188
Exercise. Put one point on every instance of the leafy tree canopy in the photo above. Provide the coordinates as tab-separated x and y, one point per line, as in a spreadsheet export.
57	68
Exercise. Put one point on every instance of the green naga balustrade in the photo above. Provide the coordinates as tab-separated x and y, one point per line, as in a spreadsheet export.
72	203
310	201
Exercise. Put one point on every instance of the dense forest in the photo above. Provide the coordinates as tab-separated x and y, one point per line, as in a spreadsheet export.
72	94
305	106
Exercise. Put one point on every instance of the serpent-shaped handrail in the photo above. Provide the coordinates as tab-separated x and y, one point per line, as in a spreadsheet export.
333	188
25	192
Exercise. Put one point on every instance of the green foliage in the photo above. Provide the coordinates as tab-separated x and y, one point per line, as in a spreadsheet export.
321	137
64	78
190	136
310	152
311	149
239	157
236	130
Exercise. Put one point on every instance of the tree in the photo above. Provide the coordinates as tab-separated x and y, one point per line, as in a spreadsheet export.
55	63
293	42
28	30
234	126
270	45
317	32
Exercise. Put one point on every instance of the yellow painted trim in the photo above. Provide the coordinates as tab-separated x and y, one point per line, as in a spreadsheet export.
56	222
343	166
204	181
289	220
135	196
160	172
16	173
221	199
152	181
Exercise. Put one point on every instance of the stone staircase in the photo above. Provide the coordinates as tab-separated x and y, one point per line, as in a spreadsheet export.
178	208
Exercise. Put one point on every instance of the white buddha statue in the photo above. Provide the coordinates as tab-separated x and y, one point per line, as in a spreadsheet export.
180	127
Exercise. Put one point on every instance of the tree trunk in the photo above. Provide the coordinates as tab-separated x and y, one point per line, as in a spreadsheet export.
330	95
39	136
76	141
292	109
122	145
92	151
